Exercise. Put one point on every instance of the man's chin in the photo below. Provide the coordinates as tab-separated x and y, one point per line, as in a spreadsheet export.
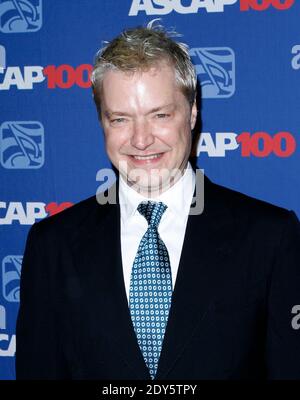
149	181
153	188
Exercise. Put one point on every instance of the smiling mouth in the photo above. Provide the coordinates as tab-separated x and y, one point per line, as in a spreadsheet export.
148	157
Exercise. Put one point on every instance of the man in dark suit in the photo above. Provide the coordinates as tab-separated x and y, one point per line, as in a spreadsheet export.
145	287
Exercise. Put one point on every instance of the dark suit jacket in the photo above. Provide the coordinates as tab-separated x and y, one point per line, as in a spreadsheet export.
230	318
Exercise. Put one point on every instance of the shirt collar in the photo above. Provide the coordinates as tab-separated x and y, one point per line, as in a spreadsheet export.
177	198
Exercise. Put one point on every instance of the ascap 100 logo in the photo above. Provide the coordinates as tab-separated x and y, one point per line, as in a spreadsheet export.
20	16
163	7
2	59
22	145
24	78
16	212
215	67
257	144
2	317
11	272
7	342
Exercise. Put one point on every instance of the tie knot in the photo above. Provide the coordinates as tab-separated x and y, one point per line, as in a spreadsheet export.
152	211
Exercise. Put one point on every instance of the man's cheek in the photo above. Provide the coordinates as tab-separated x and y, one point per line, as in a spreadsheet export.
111	151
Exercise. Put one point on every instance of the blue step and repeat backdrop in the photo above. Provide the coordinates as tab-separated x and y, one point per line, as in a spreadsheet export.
247	55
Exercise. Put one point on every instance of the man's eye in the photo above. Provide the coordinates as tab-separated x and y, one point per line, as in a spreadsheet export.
162	115
117	120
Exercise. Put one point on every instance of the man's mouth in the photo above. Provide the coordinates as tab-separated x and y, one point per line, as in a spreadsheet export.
148	157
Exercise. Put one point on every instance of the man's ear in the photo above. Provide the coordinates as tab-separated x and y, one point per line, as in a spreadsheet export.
194	113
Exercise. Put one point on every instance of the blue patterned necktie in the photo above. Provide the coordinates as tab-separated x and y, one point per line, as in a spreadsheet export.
151	287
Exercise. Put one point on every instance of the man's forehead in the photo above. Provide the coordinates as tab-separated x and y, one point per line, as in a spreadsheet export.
153	71
152	85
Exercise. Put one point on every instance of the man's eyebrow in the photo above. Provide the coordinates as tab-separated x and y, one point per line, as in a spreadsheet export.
153	110
109	113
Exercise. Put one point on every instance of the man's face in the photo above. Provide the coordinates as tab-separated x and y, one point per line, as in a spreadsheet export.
147	123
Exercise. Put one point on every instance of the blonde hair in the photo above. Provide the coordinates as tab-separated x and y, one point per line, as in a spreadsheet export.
139	49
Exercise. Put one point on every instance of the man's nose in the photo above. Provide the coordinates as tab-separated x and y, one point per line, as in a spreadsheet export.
142	135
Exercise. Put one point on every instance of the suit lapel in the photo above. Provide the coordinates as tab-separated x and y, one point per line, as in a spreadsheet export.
99	264
203	265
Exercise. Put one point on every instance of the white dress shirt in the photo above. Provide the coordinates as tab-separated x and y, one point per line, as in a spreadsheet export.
172	226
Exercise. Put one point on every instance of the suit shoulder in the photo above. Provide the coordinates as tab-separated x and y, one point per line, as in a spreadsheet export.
241	203
70	219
